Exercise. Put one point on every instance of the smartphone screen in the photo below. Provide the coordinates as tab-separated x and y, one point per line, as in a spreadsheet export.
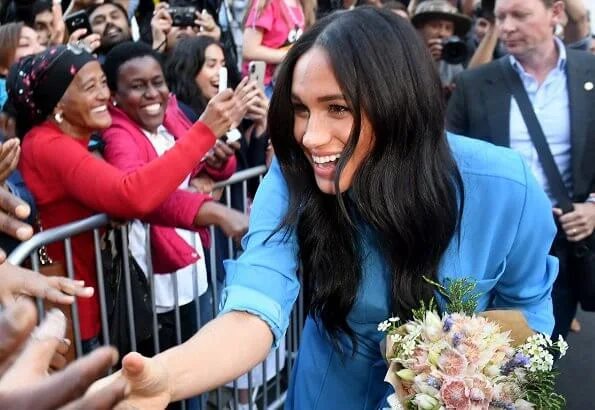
222	79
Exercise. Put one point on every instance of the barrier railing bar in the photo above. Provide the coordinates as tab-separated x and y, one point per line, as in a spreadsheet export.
241	176
76	324
128	286
46	237
101	287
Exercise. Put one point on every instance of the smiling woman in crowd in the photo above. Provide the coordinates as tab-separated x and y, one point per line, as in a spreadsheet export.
61	97
147	123
16	41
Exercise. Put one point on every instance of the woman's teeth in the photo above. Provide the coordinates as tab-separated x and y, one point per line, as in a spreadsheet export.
100	109
325	159
152	109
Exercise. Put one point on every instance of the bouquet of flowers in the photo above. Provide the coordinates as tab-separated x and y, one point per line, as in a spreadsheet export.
465	361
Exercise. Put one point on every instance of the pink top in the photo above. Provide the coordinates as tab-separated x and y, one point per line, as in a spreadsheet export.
276	21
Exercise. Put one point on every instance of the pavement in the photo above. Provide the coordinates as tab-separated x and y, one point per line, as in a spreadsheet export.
577	379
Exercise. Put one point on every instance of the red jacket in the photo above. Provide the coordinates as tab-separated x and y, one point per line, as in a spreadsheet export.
69	183
128	149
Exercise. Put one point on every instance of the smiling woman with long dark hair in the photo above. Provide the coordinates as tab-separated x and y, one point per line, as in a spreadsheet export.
368	196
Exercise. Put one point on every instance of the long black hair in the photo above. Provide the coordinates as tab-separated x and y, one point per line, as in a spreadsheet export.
182	67
408	189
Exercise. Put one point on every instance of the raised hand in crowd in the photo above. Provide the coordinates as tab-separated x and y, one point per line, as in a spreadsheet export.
258	111
91	41
161	24
207	25
578	224
26	355
226	110
58	28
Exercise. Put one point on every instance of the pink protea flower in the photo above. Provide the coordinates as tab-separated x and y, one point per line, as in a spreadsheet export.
452	363
481	392
470	350
420	361
455	394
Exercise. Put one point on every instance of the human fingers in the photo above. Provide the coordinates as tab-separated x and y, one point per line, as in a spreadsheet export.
104	399
71	383
33	362
77	35
16	323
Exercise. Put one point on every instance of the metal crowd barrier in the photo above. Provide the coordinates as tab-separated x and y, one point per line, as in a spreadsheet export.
268	391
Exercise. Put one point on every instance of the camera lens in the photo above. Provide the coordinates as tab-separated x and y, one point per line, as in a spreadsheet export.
454	50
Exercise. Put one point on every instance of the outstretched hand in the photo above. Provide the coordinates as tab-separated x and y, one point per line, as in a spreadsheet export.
148	381
25	355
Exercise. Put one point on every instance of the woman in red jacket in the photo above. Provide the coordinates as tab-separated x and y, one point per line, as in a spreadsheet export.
61	97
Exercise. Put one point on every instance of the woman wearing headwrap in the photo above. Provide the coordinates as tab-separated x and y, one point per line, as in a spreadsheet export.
61	97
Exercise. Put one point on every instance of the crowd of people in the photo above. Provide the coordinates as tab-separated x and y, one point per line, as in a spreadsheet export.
362	117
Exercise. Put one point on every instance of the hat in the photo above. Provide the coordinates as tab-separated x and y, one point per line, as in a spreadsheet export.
441	9
36	83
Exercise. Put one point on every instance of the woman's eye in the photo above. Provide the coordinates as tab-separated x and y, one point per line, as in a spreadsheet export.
338	109
299	108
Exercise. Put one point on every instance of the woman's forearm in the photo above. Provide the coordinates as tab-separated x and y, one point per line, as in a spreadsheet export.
262	53
485	51
221	351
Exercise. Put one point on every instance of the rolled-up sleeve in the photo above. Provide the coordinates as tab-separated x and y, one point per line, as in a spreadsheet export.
263	280
530	272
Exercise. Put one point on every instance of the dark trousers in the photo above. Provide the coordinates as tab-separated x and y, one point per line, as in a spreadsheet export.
563	293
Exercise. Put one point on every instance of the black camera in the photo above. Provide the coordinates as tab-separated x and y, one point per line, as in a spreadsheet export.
183	16
454	50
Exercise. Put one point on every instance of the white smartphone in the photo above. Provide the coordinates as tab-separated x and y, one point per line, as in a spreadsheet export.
256	72
222	79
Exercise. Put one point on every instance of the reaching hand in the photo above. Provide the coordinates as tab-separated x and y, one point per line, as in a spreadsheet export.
234	224
12	211
25	384
16	281
148	381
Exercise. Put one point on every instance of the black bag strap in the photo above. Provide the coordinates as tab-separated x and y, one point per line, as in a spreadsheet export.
550	168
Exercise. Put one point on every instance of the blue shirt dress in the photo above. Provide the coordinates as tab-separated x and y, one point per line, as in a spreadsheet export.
507	231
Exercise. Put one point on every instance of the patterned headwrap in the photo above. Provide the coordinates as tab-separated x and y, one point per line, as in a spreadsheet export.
36	83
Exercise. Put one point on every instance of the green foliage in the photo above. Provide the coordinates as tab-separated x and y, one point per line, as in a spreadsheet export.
420	313
540	389
460	294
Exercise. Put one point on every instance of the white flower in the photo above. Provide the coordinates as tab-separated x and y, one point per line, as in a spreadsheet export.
406	374
383	326
408	347
424	401
562	346
396	338
394	319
